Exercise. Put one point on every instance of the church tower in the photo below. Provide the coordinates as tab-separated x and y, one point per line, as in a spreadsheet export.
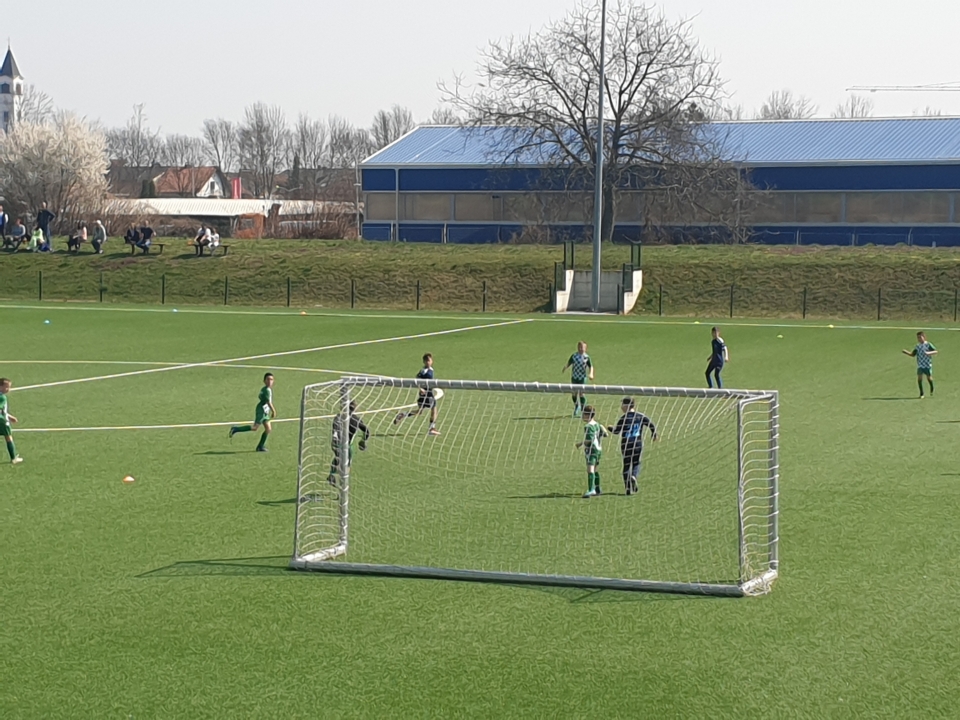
11	92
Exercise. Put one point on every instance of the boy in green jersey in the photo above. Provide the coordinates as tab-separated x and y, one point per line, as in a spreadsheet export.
923	352
6	420
592	450
582	369
263	414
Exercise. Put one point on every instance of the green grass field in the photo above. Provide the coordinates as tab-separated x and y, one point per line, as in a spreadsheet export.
170	597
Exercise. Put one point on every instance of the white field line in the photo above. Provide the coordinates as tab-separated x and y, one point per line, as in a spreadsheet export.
86	362
589	320
190	426
286	353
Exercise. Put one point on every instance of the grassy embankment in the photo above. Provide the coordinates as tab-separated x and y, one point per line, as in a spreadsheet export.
840	282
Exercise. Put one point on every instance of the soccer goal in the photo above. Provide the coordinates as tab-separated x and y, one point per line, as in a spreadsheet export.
496	496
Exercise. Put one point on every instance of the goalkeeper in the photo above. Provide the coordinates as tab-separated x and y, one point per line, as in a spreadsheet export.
630	429
354	425
592	450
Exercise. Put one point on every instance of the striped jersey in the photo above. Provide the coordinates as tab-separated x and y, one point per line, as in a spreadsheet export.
592	433
4	408
580	362
924	359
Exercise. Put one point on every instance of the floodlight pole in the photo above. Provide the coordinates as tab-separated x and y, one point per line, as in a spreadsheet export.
598	181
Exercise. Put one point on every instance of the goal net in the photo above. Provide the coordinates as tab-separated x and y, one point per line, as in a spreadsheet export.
497	494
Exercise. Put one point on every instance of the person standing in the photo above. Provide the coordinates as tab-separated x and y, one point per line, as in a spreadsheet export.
4	219
718	357
6	420
45	216
582	370
923	352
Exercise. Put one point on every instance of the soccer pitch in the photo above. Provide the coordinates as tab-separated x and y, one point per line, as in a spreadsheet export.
170	596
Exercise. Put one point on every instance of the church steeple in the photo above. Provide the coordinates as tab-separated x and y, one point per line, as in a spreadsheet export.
11	92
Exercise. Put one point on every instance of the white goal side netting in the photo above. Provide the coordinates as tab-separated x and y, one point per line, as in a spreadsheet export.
497	494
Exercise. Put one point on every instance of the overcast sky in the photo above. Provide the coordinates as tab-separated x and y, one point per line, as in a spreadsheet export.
187	60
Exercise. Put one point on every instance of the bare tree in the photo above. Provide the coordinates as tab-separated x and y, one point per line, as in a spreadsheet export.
309	148
444	115
782	105
730	113
135	143
390	125
348	144
182	151
855	106
659	87
928	111
62	162
220	142
263	145
37	107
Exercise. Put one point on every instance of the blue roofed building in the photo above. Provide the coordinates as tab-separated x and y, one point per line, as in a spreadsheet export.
877	181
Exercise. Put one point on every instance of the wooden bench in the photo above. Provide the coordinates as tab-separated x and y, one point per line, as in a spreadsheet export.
134	248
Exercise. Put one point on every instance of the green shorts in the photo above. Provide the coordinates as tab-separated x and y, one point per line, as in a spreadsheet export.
925	371
5	429
574	381
593	457
261	415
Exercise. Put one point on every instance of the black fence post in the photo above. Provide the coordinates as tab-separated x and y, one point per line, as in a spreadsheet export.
353	294
163	289
484	308
101	286
879	302
418	294
40	284
226	289
660	308
552	298
289	291
955	298
731	301
620	303
804	303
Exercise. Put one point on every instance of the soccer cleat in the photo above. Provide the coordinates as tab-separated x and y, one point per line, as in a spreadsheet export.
633	486
590	494
332	479
433	431
262	449
231	433
576	411
398	418
596	491
628	488
17	460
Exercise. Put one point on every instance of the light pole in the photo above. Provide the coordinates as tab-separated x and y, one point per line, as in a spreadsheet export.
356	187
598	183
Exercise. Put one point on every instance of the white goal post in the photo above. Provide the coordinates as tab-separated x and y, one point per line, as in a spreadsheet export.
496	495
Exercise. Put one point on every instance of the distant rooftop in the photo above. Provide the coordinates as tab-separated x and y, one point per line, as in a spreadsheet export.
9	67
755	143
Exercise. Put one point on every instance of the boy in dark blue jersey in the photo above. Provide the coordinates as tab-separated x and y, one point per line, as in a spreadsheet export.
426	400
342	443
630	429
718	357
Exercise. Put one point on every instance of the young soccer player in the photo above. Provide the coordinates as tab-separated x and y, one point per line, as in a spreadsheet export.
6	420
262	415
425	400
354	425
582	369
718	357
923	352
630	429
593	432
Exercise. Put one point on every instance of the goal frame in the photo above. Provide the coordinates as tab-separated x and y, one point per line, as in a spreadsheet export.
749	583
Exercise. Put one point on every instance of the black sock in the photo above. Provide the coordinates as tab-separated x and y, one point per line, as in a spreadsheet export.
263	441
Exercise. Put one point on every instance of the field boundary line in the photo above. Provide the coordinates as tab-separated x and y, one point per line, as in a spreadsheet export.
264	356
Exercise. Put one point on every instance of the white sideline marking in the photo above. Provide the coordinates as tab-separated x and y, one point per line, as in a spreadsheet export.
263	356
85	362
188	426
412	315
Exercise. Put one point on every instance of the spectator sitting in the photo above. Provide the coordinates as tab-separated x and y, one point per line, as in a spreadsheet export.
146	238
132	236
79	237
202	240
99	237
18	234
214	240
37	241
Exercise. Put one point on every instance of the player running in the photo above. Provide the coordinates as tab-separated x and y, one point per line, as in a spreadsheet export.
426	400
354	425
923	352
262	415
719	355
6	420
582	369
630	429
593	432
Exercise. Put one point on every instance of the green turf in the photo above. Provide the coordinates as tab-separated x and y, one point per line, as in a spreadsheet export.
170	598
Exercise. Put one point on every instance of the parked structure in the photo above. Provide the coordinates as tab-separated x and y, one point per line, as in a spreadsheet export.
826	182
11	92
